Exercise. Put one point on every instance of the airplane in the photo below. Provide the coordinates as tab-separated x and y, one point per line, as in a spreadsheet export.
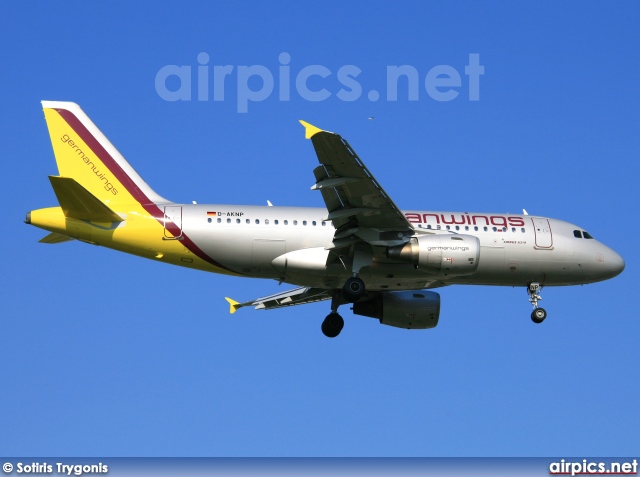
360	249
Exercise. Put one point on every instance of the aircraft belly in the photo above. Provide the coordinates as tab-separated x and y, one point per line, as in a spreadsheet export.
378	276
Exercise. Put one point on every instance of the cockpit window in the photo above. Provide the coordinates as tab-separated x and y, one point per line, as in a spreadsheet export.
577	234
586	235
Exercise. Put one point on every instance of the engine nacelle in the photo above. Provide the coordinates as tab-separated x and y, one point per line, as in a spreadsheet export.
444	254
402	309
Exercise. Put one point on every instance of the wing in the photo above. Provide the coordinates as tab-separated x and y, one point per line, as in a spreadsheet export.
297	296
358	206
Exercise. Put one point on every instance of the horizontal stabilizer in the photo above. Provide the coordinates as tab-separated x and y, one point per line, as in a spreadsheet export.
78	203
54	237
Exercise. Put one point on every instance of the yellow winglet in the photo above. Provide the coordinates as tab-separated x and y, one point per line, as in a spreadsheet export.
309	129
233	305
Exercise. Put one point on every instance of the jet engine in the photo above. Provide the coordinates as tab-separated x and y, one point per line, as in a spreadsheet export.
402	309
444	254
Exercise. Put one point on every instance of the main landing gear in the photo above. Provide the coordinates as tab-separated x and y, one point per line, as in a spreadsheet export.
353	289
351	292
332	325
538	314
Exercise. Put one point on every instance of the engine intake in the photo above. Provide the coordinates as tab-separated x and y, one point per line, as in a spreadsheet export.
444	254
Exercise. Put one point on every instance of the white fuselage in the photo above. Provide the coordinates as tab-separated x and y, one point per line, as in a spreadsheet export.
514	249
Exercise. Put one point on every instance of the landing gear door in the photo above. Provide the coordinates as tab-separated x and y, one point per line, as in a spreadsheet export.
544	237
172	222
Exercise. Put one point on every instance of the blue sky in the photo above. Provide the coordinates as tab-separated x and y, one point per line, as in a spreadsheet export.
106	354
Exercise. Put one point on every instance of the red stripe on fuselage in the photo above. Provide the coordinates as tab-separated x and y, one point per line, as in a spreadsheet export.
131	186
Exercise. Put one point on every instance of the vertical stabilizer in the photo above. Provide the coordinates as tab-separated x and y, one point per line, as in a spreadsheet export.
84	154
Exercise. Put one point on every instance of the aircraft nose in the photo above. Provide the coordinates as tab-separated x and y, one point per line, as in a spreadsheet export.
616	263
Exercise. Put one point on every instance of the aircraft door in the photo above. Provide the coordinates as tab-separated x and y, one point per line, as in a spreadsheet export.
172	222
542	228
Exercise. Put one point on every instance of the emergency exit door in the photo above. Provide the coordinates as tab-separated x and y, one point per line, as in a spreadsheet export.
544	237
172	222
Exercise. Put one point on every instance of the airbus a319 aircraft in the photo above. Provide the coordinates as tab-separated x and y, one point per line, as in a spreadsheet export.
360	249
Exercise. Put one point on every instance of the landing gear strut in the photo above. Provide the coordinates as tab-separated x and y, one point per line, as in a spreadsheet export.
538	314
351	292
333	323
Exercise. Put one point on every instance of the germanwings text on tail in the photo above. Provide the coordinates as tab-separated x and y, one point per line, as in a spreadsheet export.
359	249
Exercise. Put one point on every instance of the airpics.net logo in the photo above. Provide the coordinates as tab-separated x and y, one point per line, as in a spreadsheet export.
256	83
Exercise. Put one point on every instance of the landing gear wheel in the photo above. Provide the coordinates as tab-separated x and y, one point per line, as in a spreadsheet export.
353	289
332	325
538	315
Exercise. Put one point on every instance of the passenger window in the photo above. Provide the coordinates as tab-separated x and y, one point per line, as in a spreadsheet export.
457	227
314	223
475	228
275	221
219	220
295	222
586	235
577	234
228	221
495	229
513	229
428	226
486	229
209	220
248	221
448	228
286	222
504	229
304	222
324	223
466	227
522	229
266	221
237	221
257	221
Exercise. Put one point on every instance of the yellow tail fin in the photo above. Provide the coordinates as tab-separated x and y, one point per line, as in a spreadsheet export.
84	154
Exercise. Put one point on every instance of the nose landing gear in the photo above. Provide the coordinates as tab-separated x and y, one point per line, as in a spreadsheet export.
538	315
